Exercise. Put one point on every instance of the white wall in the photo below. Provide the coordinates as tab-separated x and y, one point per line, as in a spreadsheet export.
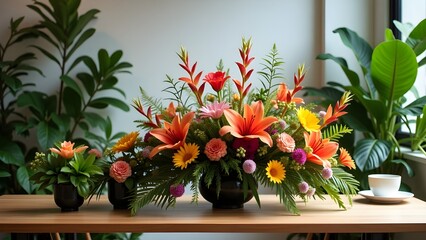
150	32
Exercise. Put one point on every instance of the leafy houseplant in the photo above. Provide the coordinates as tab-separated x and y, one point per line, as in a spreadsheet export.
263	137
59	116
380	108
66	164
12	151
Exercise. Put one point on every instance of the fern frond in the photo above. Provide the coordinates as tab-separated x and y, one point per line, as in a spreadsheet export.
336	131
149	101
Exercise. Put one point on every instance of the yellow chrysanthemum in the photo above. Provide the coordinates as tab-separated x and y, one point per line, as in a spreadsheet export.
275	171
308	120
186	155
126	142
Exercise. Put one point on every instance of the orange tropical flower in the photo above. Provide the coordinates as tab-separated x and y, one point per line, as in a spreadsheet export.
251	125
67	149
332	115
173	134
345	159
126	142
286	95
319	150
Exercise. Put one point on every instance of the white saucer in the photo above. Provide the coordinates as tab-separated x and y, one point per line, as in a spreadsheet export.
398	197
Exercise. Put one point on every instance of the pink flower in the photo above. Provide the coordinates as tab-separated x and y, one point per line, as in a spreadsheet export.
214	110
146	151
215	149
327	173
96	152
286	143
249	166
120	171
311	192
177	190
303	187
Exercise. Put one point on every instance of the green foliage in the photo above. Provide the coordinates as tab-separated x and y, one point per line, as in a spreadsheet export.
13	174
81	171
389	72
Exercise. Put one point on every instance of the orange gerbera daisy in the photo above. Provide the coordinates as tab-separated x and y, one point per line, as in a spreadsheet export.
173	134
67	150
251	125
345	159
319	150
126	142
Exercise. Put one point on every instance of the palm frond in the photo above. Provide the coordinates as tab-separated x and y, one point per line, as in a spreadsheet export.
336	131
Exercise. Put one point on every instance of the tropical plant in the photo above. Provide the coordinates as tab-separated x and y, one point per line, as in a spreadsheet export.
66	164
13	171
76	105
389	71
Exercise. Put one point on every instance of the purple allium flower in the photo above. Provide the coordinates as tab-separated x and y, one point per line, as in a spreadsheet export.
299	155
283	124
249	166
322	113
303	187
327	173
271	130
250	145
146	151
310	192
177	190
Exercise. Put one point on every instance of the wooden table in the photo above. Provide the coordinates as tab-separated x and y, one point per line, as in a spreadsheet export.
38	214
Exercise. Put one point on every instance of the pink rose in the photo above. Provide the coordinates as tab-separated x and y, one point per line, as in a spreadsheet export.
286	143
120	171
215	149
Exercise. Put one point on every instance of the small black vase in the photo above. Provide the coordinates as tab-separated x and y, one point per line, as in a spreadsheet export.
231	195
66	197
118	194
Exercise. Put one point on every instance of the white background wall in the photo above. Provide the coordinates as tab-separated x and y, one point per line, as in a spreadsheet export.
150	32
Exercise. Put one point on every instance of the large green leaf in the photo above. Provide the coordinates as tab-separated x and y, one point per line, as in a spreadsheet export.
10	152
351	75
369	154
418	37
47	135
105	101
393	69
361	49
23	178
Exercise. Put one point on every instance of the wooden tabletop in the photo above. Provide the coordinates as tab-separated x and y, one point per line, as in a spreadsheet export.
38	213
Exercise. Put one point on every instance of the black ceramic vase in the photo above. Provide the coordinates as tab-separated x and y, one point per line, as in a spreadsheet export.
118	194
231	195
66	197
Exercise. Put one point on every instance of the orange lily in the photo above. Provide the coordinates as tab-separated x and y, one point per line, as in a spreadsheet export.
319	150
173	134
67	149
251	125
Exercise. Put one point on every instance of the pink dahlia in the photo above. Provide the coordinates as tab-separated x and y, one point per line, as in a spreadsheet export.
120	171
286	143
214	110
215	149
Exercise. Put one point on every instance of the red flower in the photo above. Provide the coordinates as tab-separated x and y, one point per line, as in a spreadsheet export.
216	80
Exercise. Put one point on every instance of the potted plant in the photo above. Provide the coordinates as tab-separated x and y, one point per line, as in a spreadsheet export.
379	109
71	171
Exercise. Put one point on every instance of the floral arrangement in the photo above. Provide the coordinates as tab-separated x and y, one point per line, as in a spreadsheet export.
266	136
67	164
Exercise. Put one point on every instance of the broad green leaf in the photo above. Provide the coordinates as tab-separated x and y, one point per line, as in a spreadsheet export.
4	174
105	101
361	49
72	84
393	69
88	82
10	152
418	35
407	167
94	119
23	178
413	109
47	135
351	75
389	35
72	102
104	61
369	154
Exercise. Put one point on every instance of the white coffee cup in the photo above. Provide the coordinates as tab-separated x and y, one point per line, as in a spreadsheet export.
384	185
